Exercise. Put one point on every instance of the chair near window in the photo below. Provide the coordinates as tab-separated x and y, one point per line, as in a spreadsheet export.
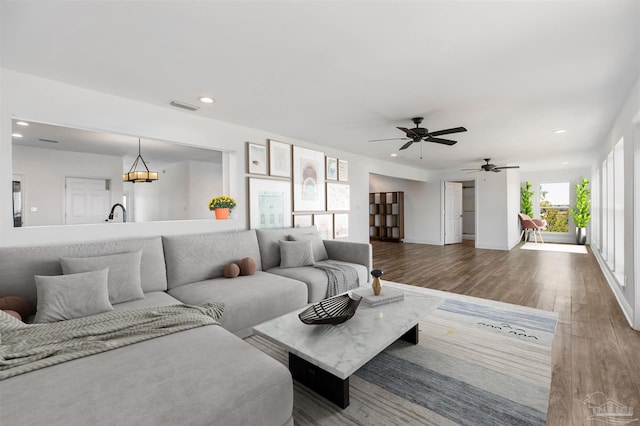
532	226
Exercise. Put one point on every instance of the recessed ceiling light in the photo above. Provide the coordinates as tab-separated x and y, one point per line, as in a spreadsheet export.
565	162
206	100
16	135
394	155
557	132
22	123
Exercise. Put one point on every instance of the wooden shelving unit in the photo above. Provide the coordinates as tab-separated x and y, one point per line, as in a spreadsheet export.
386	216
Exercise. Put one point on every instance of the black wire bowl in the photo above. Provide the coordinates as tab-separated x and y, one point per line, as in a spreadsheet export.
335	310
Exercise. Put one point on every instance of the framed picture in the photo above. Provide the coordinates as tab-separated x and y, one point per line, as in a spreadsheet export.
332	168
343	170
337	196
302	220
308	180
256	159
279	159
324	223
269	203
341	225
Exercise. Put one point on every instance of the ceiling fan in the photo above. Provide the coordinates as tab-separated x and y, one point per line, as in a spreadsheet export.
491	167
420	134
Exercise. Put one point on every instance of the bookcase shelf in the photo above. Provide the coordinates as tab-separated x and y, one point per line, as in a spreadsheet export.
386	216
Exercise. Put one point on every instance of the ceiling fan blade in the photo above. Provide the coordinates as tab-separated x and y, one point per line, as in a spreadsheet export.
390	139
410	133
474	170
506	167
407	145
442	141
496	170
448	131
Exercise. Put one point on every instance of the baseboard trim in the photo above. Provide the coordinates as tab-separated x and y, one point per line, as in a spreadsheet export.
613	284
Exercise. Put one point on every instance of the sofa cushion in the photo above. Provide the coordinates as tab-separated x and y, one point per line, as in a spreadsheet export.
231	270
65	297
316	279
202	376
249	300
124	273
247	266
197	257
18	265
268	242
319	251
294	254
155	298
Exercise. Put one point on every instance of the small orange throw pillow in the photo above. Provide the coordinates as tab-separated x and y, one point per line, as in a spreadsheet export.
231	270
247	266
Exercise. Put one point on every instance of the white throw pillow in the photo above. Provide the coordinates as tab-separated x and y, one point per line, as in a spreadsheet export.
319	251
294	254
64	297
124	273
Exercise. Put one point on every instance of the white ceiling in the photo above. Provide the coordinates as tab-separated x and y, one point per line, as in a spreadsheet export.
339	73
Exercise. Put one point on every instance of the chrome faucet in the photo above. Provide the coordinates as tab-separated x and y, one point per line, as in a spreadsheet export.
124	212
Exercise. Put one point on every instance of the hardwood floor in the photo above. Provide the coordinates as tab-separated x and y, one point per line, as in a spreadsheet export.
594	349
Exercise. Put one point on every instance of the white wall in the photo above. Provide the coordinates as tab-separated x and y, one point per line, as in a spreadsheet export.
37	99
43	175
623	127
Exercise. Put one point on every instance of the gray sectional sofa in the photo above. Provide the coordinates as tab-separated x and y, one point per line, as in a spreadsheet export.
202	376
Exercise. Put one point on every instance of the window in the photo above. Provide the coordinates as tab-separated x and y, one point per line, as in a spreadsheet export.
554	206
608	211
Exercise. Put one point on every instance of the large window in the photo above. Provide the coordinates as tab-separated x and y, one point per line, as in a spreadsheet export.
608	211
554	206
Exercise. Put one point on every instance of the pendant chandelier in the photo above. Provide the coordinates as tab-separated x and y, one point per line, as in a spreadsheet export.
134	175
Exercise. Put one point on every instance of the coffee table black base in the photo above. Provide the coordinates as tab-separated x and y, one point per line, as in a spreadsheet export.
326	384
322	382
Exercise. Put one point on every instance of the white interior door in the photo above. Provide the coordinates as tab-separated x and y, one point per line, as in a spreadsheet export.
87	200
453	212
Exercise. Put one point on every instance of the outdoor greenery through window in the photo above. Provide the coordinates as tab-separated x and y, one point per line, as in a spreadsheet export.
554	206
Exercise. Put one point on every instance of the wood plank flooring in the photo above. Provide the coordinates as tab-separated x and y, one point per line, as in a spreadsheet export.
594	349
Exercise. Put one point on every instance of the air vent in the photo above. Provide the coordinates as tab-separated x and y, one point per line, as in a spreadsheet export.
184	105
48	140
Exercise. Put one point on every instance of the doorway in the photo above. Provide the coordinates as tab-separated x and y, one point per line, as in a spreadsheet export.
459	216
87	200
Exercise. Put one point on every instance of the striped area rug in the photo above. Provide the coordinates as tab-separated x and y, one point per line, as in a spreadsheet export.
478	362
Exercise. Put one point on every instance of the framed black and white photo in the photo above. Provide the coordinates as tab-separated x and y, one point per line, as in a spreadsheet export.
256	159
279	159
332	168
337	196
343	170
324	223
341	225
308	180
269	203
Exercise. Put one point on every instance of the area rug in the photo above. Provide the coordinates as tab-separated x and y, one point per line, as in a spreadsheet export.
566	248
478	362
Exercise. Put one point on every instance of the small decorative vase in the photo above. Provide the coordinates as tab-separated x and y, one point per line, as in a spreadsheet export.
222	213
376	286
376	274
581	236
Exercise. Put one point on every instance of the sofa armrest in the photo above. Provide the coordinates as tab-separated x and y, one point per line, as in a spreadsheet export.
346	251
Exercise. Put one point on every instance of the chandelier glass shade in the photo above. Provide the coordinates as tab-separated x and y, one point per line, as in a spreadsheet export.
143	175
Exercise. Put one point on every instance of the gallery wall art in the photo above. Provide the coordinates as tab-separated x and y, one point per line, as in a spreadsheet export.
256	159
308	180
269	203
337	196
341	225
279	159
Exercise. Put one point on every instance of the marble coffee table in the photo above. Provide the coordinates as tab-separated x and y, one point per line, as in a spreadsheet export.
322	357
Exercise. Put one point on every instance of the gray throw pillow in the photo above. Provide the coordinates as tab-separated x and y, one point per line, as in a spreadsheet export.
64	297
319	251
294	254
124	273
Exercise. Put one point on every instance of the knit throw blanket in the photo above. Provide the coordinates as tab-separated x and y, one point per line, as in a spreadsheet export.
28	347
341	277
